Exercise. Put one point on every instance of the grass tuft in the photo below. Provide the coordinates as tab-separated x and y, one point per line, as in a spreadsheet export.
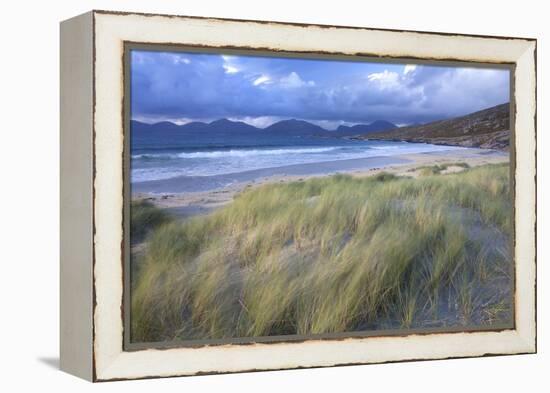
437	169
145	217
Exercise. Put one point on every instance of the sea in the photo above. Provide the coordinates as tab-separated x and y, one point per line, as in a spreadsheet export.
224	160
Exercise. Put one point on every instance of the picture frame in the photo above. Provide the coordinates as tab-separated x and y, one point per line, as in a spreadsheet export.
94	323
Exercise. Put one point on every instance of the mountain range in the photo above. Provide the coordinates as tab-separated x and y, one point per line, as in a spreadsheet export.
291	127
487	129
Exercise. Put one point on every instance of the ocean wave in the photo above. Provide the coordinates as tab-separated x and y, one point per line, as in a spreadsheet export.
235	153
141	175
386	147
157	166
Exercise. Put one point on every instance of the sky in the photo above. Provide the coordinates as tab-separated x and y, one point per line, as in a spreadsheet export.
183	87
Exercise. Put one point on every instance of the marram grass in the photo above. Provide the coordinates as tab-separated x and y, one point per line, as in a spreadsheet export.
332	254
145	217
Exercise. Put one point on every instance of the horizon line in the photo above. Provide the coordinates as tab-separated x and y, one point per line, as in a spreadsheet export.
313	122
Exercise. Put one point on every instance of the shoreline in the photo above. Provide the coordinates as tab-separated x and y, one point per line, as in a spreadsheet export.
189	184
464	142
207	198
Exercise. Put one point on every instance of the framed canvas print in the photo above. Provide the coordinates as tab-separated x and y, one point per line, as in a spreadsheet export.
245	195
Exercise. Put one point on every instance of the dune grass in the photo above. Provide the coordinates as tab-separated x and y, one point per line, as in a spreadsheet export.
439	168
145	217
332	254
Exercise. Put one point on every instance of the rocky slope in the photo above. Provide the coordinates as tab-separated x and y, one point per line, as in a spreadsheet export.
487	129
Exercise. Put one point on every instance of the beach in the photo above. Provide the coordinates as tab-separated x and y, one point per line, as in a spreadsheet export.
186	196
411	241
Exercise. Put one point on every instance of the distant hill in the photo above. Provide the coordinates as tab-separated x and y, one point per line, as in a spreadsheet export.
291	127
218	126
488	129
378	125
137	126
295	127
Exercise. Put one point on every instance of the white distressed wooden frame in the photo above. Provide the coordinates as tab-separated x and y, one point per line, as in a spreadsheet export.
92	196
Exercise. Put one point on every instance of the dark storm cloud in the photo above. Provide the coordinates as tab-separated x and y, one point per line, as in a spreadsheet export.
186	86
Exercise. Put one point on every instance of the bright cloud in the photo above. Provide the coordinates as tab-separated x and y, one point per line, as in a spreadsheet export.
229	69
293	80
385	79
260	121
263	79
229	64
409	68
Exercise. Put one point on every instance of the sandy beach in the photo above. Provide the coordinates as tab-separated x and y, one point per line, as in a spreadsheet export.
184	197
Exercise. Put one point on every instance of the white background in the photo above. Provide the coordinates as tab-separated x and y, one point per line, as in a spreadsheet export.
29	196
